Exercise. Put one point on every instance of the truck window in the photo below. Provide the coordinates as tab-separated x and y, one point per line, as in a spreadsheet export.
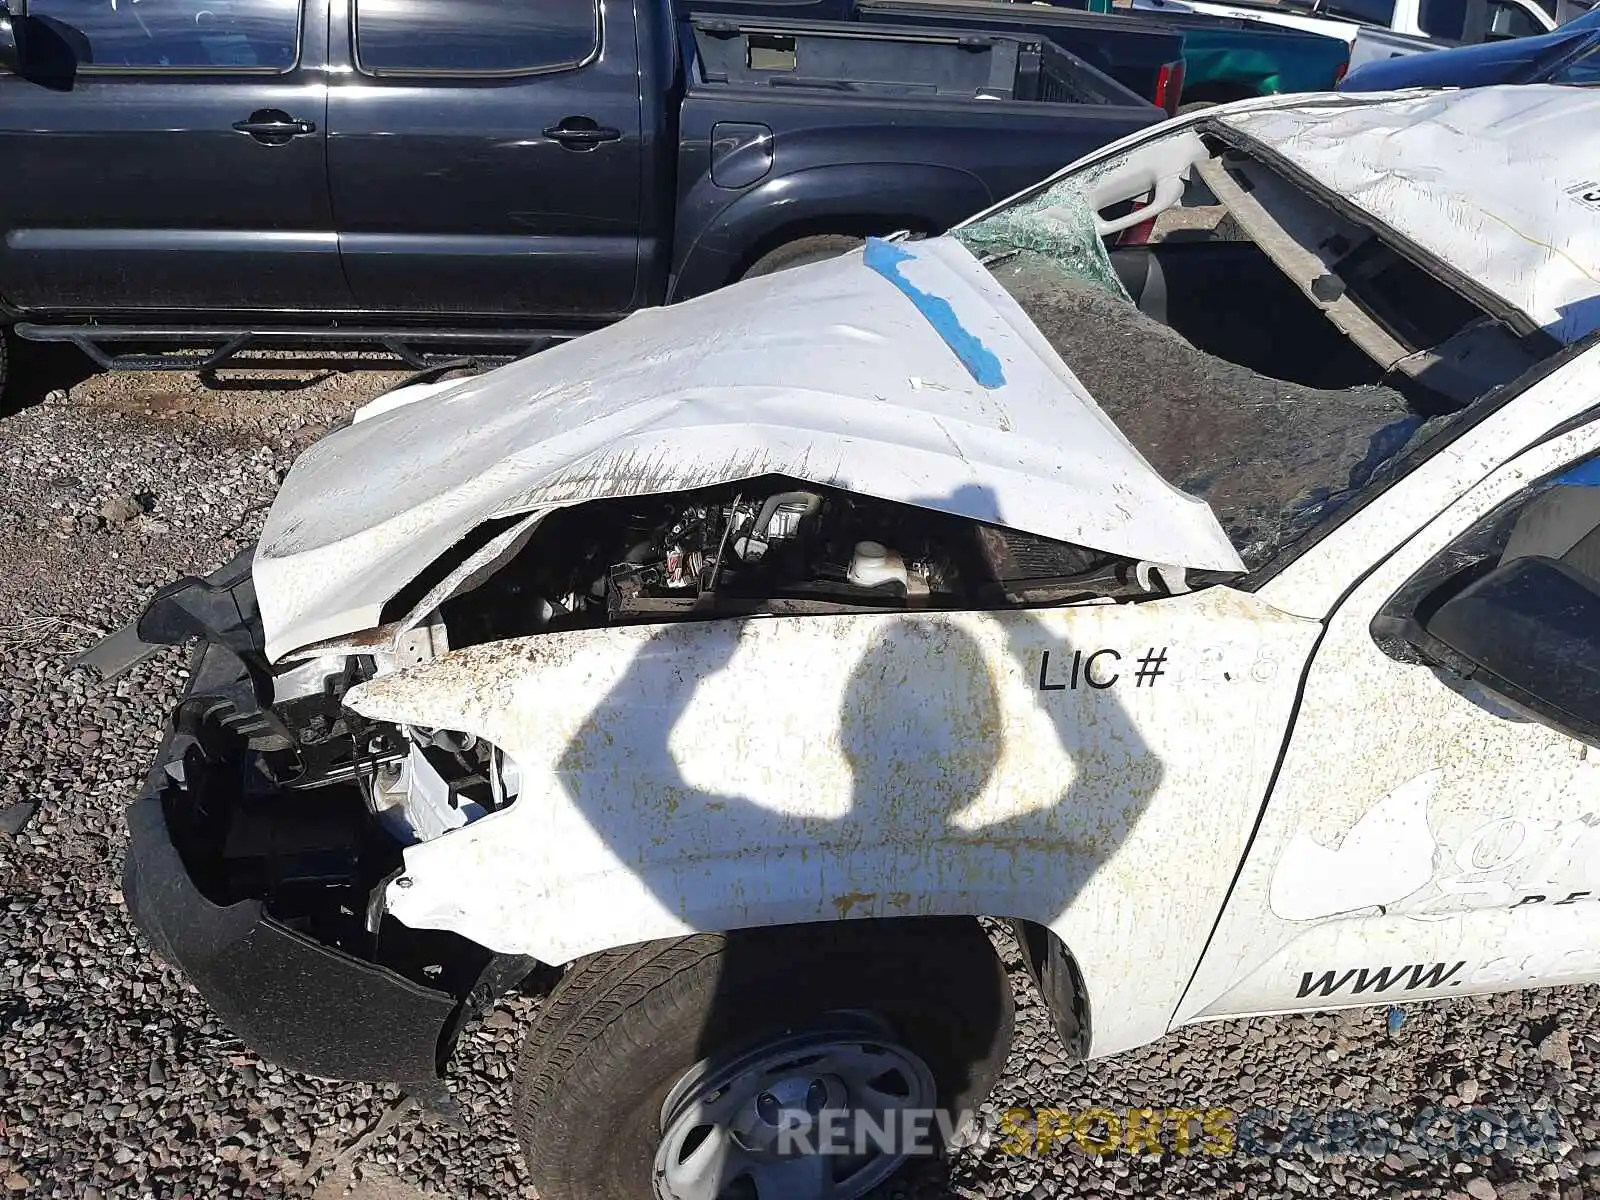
1511	21
1374	12
474	37
173	35
1446	19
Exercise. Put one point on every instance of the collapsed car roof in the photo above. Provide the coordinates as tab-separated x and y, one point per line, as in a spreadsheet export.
1499	183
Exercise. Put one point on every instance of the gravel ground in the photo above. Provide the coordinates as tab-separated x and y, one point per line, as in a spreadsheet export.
115	1080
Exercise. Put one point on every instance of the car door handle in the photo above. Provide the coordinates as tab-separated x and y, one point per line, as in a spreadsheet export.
274	128
581	133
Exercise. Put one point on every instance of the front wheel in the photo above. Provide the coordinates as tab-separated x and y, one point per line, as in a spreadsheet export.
798	1063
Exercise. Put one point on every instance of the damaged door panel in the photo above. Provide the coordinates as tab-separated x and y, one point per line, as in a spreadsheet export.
1449	843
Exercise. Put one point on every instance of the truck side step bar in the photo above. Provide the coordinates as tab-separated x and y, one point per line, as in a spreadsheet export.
226	343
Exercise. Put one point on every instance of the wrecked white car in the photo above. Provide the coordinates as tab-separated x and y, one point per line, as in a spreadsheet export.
1223	611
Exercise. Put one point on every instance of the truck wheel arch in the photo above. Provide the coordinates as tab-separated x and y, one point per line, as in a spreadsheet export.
855	200
1060	981
603	1051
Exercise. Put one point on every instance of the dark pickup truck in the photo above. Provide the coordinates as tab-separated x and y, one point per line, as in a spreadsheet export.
225	173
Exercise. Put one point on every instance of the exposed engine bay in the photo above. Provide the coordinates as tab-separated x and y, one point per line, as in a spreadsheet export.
775	546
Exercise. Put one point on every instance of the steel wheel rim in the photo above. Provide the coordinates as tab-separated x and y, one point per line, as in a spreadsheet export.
738	1128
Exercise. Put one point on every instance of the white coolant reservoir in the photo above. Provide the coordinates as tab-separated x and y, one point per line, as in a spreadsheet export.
873	564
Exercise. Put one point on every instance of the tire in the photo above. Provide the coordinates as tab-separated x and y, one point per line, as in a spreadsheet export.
626	1029
802	251
1195	106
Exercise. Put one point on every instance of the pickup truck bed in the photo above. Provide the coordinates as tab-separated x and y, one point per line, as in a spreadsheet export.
820	145
1137	52
866	60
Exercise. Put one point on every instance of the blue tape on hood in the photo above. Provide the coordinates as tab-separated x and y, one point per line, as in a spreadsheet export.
1585	474
982	363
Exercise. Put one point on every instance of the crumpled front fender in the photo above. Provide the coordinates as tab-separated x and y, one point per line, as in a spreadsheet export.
724	774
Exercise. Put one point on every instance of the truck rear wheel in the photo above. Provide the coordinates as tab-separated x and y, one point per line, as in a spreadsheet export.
802	251
772	1064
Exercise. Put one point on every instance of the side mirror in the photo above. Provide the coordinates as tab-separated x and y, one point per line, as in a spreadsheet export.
1529	631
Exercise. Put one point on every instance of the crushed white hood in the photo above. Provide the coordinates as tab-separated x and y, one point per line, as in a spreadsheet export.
840	373
1501	183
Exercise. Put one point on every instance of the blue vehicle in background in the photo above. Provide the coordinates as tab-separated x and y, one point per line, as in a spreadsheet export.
1570	55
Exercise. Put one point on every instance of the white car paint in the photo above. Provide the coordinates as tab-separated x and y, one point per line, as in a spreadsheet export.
728	773
1404	21
1511	206
1381	859
1492	182
1369	40
828	374
671	399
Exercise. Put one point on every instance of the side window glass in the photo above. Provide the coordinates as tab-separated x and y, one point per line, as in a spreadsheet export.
1510	21
474	37
1445	19
180	35
1557	517
1377	12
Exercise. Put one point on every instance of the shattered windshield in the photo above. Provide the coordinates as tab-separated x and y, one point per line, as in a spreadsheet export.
1271	457
1056	227
1210	361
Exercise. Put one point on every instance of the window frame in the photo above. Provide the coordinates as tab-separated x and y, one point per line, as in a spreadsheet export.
1473	552
1517	10
1350	12
447	73
210	70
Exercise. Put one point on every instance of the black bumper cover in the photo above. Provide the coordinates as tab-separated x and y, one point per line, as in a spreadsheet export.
297	1001
294	1001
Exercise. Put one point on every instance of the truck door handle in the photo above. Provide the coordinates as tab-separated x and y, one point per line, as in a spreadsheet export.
272	127
581	133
